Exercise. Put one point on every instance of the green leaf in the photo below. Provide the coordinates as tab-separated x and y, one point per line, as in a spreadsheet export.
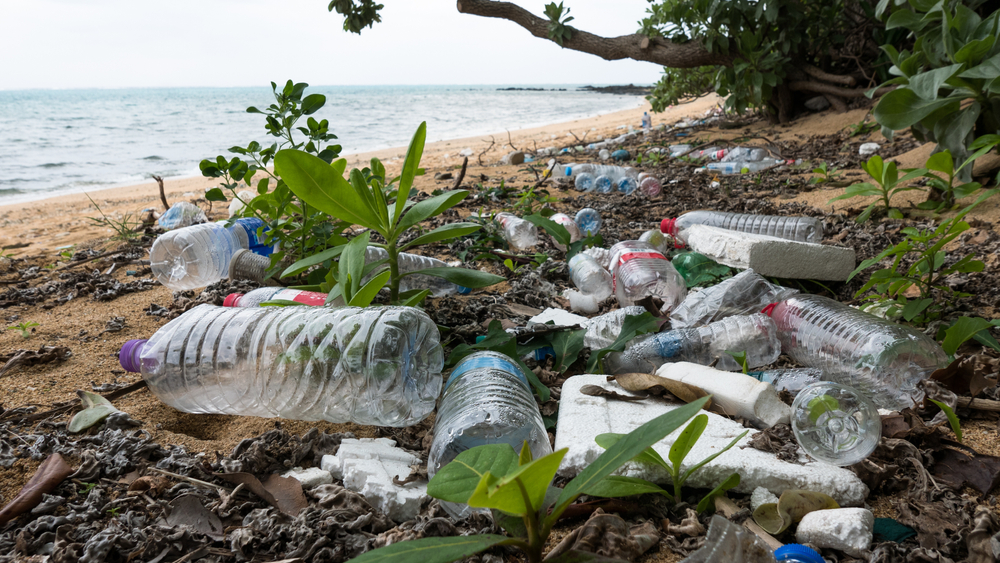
431	550
686	440
308	262
508	493
988	69
215	194
905	18
902	108
312	103
319	185
554	229
430	207
448	231
352	265
915	307
366	294
614	486
624	450
731	482
415	299
941	162
927	84
708	459
524	457
95	409
952	419
474	279
963	329
648	456
568	345
457	481
410	166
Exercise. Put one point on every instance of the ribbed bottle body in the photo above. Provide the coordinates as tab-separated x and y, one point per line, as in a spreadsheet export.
639	270
409	263
742	294
589	277
602	331
518	233
199	255
802	229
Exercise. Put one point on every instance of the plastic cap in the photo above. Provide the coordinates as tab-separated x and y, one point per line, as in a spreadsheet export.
568	170
769	309
667	226
797	552
232	299
128	356
462	290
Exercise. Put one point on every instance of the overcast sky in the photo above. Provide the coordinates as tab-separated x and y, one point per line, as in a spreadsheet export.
149	43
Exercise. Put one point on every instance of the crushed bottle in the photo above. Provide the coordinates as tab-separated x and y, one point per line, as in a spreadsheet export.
589	277
742	294
518	233
638	270
200	255
180	215
602	331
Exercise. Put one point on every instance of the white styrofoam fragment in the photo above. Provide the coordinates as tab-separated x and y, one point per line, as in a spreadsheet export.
583	417
312	477
771	256
368	466
582	302
559	317
761	496
846	529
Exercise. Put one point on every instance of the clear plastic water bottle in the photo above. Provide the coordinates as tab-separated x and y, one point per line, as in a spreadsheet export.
877	357
584	182
835	423
487	400
710	153
626	185
659	241
182	214
518	233
649	185
589	277
200	255
754	334
410	263
589	221
374	366
602	255
802	229
791	380
570	225
731	167
745	293
602	331
647	121
639	270
258	296
677	150
745	154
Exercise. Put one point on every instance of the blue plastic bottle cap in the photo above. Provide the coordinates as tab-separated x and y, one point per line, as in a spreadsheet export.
569	170
462	290
797	552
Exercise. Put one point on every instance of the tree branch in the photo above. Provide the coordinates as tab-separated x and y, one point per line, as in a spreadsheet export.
635	46
820	74
821	88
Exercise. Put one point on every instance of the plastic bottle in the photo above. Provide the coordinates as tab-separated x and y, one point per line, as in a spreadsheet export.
200	255
570	225
411	262
589	221
374	366
880	358
745	154
802	229
602	255
796	553
742	294
649	185
182	214
792	380
639	270
710	153
520	234
731	167
660	242
754	334
602	331
487	400
727	542
258	296
677	150
835	423
589	277
647	121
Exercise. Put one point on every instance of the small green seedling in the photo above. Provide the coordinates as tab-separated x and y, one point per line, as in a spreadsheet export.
952	418
25	328
741	359
887	183
87	487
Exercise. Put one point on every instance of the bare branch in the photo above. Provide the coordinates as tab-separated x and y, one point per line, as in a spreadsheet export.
163	196
488	149
821	88
511	143
820	74
461	174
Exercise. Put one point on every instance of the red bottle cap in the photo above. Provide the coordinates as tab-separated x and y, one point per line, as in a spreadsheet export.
232	299
667	226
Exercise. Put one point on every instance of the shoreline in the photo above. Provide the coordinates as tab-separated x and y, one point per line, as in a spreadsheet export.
43	225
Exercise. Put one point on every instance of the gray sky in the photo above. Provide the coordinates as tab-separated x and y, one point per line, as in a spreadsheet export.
148	43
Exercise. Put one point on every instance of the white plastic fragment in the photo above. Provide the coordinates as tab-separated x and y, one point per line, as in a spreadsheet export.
240	201
582	302
868	149
583	417
771	256
761	496
367	466
846	529
559	317
738	395
311	477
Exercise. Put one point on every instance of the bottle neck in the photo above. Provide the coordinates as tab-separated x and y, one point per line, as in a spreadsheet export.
129	356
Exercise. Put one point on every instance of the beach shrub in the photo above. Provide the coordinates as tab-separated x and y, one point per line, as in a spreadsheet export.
293	225
371	200
886	182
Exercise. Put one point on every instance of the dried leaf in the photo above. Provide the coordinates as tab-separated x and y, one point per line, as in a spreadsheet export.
609	536
283	493
979	471
50	473
964	375
895	426
187	511
151	484
775	518
978	540
598	391
651	383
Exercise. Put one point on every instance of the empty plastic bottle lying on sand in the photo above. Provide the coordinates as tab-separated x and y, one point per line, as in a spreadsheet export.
602	255
589	277
410	263
731	167
602	331
661	242
649	185
745	154
754	334
791	380
589	221
802	229
182	214
571	227
835	423
201	255
638	270
880	358
604	178
375	366
487	400
742	294
518	233
256	297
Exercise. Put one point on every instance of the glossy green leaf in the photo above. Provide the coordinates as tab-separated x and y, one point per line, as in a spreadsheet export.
614	486
902	108
648	455
312	103
961	330
318	184
633	326
555	230
568	345
941	162
414	299
410	167
520	491
915	307
731	482
310	261
709	459
952	418
456	481
215	194
431	207
431	550
465	277
687	439
367	293
444	232
524	457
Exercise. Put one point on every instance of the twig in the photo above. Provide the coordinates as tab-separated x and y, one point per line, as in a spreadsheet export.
511	257
979	404
13	362
488	149
91	259
461	174
191	480
76	403
163	196
546	176
728	508
578	139
511	143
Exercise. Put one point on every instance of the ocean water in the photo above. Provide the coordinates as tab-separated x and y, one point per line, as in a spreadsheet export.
69	141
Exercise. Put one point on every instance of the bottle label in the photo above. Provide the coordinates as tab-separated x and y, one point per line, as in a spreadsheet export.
486	362
626	256
312	298
250	225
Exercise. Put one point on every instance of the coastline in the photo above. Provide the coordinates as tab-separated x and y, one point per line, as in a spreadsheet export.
45	225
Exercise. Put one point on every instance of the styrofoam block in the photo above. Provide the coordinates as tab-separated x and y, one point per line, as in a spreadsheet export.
583	417
311	477
771	256
368	466
846	529
559	317
761	496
